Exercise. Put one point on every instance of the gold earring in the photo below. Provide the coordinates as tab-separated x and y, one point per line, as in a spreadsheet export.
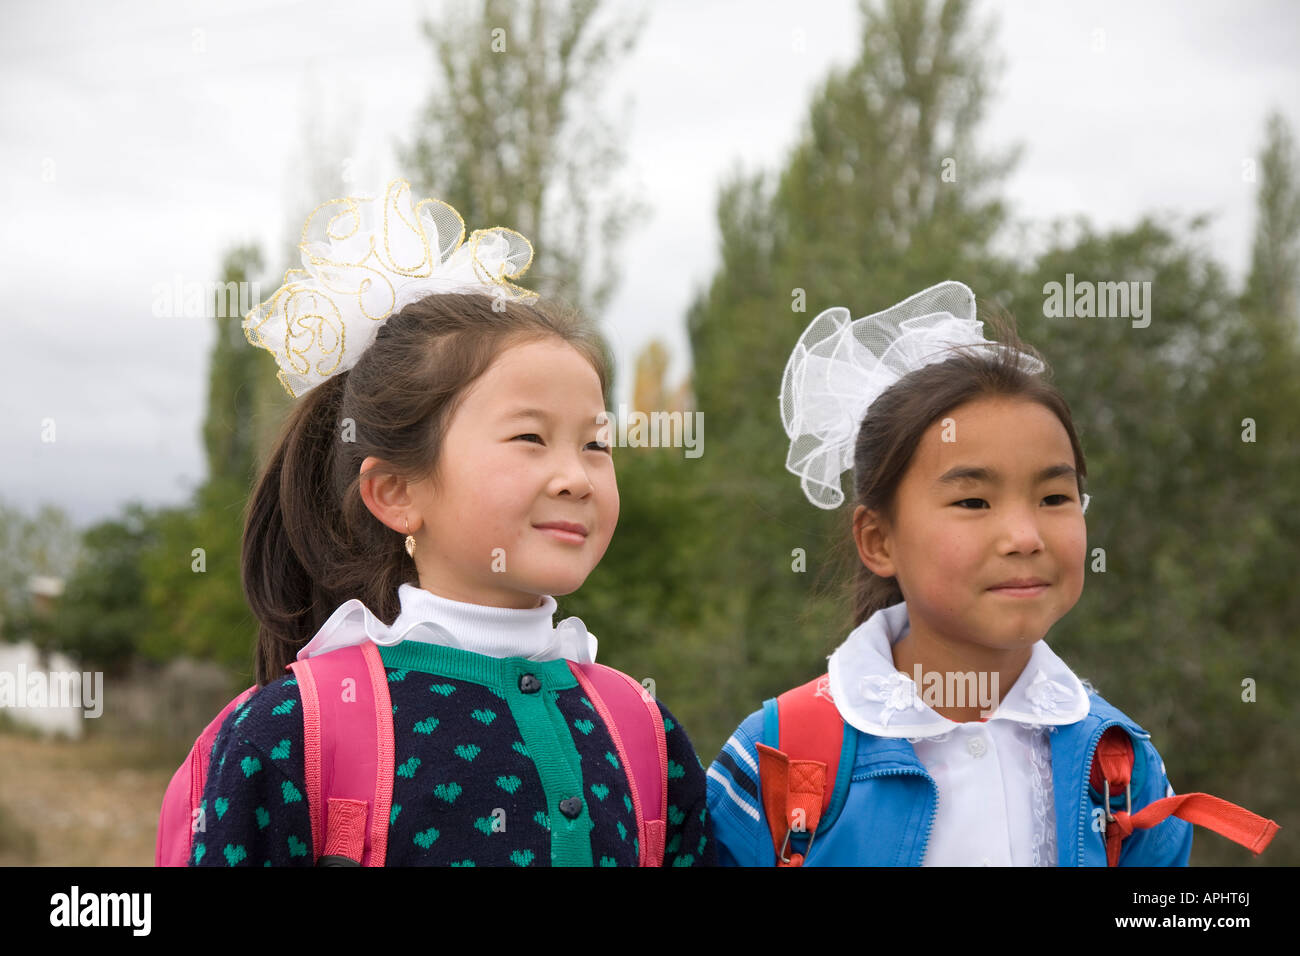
410	539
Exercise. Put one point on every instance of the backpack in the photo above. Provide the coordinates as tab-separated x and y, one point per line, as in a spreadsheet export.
348	759
799	780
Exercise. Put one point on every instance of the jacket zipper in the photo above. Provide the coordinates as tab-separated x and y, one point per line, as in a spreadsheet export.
934	802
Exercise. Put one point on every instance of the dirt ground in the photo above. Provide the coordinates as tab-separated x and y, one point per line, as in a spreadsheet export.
91	802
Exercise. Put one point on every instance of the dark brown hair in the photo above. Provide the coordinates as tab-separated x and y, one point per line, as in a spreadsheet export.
310	542
891	432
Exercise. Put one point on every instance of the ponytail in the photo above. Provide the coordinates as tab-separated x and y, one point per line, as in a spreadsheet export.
293	525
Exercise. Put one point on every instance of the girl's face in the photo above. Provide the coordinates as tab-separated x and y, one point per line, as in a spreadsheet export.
990	498
524	501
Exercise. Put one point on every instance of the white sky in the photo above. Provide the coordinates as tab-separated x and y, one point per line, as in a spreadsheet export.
139	141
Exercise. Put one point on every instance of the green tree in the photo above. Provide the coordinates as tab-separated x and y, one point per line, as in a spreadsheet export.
509	135
192	571
1247	555
1192	438
233	375
1191	529
1273	286
102	611
884	194
44	544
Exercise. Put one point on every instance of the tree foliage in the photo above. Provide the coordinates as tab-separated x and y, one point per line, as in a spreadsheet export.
511	136
722	583
1197	522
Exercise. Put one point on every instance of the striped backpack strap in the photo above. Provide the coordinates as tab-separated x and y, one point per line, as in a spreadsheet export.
637	727
798	764
1111	774
347	720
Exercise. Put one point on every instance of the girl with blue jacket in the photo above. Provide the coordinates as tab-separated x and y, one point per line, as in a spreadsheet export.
953	734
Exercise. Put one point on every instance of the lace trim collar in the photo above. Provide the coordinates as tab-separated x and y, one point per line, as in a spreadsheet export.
877	699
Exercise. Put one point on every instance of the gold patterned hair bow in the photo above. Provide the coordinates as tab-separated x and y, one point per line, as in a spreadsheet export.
364	258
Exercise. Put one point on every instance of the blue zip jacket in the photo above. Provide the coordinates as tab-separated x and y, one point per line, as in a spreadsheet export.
884	802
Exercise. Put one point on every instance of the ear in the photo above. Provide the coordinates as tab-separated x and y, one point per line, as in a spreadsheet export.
388	498
872	536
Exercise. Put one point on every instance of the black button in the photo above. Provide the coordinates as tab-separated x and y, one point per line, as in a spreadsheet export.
529	684
572	807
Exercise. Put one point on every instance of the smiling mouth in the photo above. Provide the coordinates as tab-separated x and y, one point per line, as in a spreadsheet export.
1026	590
564	531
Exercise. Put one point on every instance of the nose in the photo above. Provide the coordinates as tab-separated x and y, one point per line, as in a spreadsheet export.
1020	534
570	476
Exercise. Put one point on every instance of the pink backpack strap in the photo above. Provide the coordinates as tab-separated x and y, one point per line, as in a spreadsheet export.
637	727
347	722
176	821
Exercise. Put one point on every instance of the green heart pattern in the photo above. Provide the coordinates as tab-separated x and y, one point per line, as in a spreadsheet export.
600	771
447	791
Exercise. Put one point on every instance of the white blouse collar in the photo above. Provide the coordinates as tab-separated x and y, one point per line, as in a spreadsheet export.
491	631
873	696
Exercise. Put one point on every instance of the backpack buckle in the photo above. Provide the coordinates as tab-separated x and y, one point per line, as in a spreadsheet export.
785	845
1108	817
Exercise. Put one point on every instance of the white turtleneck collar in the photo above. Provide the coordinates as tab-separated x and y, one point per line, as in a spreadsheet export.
491	631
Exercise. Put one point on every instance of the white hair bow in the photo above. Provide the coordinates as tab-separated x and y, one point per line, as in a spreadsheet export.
840	366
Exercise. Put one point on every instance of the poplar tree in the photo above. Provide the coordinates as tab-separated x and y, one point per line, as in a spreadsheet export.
510	134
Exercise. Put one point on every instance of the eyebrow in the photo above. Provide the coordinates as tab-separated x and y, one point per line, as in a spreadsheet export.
543	416
521	413
964	474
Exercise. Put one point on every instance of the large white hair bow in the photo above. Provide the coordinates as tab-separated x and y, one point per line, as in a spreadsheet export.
364	258
840	366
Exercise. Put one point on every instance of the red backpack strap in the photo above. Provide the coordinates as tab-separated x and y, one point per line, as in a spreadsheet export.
637	728
347	754
1111	773
797	776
